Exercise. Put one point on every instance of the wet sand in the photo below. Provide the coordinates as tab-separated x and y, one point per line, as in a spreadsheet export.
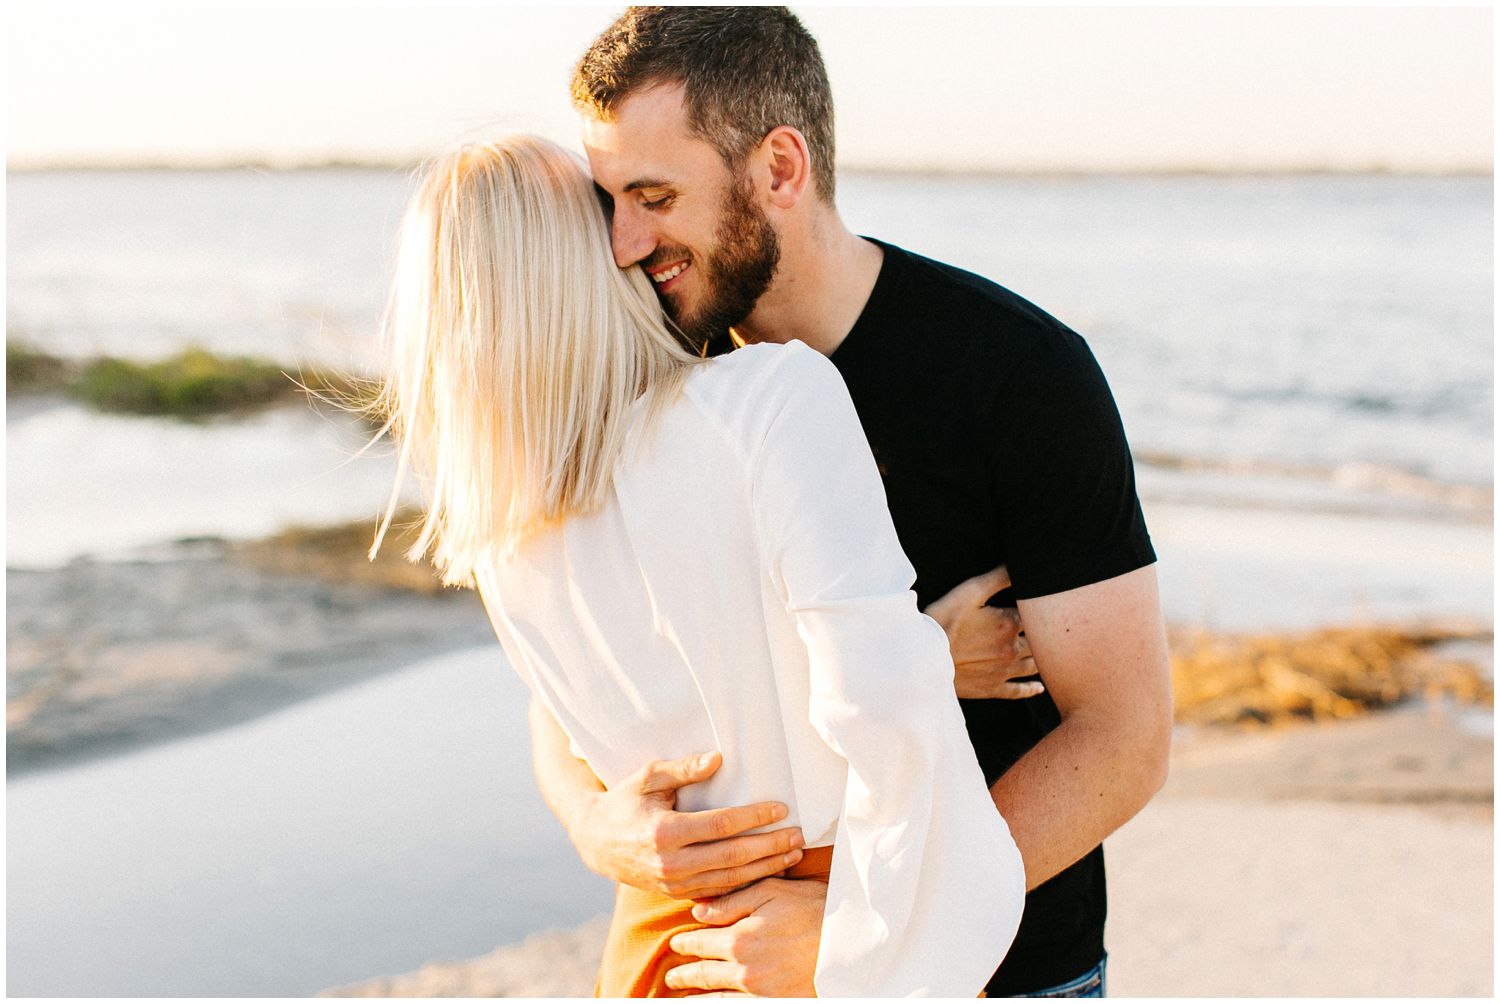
108	656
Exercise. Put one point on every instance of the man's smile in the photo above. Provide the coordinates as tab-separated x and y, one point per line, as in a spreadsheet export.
665	276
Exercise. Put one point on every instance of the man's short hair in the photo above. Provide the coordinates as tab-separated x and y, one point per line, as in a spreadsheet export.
744	70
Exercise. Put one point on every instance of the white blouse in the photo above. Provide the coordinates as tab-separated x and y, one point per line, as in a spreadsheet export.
743	591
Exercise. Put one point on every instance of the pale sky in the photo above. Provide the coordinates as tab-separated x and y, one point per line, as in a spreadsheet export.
1005	89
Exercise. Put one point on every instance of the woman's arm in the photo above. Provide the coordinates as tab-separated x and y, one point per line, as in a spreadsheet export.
927	887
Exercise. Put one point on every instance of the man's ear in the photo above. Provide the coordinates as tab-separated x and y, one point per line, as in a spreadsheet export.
785	150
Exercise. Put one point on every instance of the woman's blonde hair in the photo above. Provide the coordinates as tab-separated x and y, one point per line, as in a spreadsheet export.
518	350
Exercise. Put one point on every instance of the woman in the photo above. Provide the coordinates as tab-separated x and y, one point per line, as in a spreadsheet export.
681	554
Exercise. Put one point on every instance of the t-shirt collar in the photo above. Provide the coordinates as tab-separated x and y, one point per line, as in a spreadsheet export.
892	266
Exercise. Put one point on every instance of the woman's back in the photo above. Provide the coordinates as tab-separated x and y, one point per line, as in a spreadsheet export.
652	629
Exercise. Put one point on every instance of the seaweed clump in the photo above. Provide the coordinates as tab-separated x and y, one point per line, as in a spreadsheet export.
194	383
1327	674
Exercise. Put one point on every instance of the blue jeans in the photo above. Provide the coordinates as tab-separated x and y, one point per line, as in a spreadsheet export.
1090	984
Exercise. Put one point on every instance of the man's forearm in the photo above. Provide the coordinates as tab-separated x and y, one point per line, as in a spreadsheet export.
1102	651
632	834
1078	785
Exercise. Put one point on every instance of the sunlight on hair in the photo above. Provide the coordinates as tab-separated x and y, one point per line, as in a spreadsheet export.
517	351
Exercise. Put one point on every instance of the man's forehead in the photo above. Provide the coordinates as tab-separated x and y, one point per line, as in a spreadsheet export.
646	138
660	106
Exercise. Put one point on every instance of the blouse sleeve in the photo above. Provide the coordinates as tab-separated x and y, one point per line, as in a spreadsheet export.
927	887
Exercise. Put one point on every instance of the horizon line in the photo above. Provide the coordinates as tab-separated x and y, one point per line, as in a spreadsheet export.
407	164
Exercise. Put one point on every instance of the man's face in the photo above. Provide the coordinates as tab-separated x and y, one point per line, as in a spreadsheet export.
680	213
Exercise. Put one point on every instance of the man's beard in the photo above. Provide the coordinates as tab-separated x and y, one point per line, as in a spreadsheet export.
735	274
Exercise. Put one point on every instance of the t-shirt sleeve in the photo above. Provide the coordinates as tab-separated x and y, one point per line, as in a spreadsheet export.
919	842
1062	475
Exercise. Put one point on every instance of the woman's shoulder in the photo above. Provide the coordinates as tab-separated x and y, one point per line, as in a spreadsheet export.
757	376
748	393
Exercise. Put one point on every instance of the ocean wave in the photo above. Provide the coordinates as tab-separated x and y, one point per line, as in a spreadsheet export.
1353	484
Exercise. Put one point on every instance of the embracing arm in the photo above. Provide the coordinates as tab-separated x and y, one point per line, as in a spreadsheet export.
1102	652
632	833
566	782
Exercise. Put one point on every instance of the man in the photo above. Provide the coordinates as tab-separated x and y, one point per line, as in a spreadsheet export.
710	133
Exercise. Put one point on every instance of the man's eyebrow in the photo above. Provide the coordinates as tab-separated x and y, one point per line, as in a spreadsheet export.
646	183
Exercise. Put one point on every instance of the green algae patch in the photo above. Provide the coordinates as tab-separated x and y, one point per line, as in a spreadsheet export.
190	384
28	369
195	383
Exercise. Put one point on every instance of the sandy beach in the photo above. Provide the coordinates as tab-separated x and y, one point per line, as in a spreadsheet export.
1350	860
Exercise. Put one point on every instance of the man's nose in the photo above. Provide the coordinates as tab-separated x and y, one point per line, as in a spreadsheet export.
631	237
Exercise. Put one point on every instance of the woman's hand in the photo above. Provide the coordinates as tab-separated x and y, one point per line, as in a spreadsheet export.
990	653
632	833
761	941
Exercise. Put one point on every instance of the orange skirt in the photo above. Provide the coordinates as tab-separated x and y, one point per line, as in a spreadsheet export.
637	954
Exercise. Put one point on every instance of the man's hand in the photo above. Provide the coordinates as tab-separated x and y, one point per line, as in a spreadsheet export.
631	833
990	652
764	940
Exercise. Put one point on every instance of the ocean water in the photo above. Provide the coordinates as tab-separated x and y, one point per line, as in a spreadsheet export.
1312	321
359	833
83	483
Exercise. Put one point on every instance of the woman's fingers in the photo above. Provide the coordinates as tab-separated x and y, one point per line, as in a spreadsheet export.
972	592
1019	691
1004	679
735	906
705	974
705	943
723	993
981	587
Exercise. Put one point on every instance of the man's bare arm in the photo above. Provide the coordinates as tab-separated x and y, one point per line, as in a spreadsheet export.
1102	650
632	833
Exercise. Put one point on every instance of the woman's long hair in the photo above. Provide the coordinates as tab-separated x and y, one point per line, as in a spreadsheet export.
517	350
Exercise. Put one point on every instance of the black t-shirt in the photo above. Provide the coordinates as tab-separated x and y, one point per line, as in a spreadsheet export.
999	443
